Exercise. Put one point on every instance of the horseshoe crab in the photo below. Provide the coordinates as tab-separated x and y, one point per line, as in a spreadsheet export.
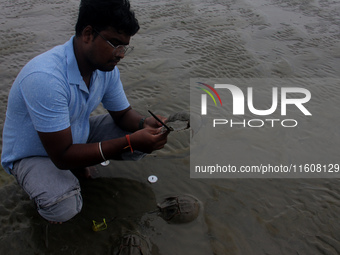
179	209
132	244
179	121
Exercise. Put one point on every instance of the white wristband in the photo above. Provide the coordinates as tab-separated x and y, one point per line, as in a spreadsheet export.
101	151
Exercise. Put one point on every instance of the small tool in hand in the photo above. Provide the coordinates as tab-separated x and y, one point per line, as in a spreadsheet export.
168	128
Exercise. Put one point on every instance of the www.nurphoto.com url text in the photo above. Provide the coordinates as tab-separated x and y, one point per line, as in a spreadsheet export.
268	168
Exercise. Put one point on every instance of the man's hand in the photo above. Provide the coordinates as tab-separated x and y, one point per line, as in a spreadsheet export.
153	123
148	139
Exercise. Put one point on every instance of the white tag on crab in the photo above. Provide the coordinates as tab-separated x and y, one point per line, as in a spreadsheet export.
152	178
105	163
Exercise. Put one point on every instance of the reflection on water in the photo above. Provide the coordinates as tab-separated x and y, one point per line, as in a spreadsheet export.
180	40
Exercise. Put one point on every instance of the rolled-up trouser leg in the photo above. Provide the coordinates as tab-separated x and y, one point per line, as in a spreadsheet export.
56	192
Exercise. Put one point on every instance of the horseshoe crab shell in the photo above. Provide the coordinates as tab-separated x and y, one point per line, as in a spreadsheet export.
179	209
132	244
179	121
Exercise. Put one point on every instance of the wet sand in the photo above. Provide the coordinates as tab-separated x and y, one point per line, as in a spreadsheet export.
180	40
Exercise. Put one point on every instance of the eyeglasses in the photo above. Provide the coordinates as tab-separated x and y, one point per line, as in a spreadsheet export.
119	48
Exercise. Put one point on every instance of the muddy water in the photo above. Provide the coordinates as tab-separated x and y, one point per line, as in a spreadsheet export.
180	40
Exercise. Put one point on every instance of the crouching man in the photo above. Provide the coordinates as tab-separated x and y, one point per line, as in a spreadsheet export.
48	133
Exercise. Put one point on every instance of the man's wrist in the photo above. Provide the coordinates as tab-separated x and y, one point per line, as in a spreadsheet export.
141	123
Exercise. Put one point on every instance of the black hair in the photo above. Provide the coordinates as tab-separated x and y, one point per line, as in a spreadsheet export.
101	14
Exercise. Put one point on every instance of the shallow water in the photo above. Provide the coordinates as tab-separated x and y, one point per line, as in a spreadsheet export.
180	40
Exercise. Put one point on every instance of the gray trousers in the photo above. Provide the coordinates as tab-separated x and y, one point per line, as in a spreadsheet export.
57	192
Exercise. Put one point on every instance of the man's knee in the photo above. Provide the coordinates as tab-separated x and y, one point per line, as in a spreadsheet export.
55	192
63	210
